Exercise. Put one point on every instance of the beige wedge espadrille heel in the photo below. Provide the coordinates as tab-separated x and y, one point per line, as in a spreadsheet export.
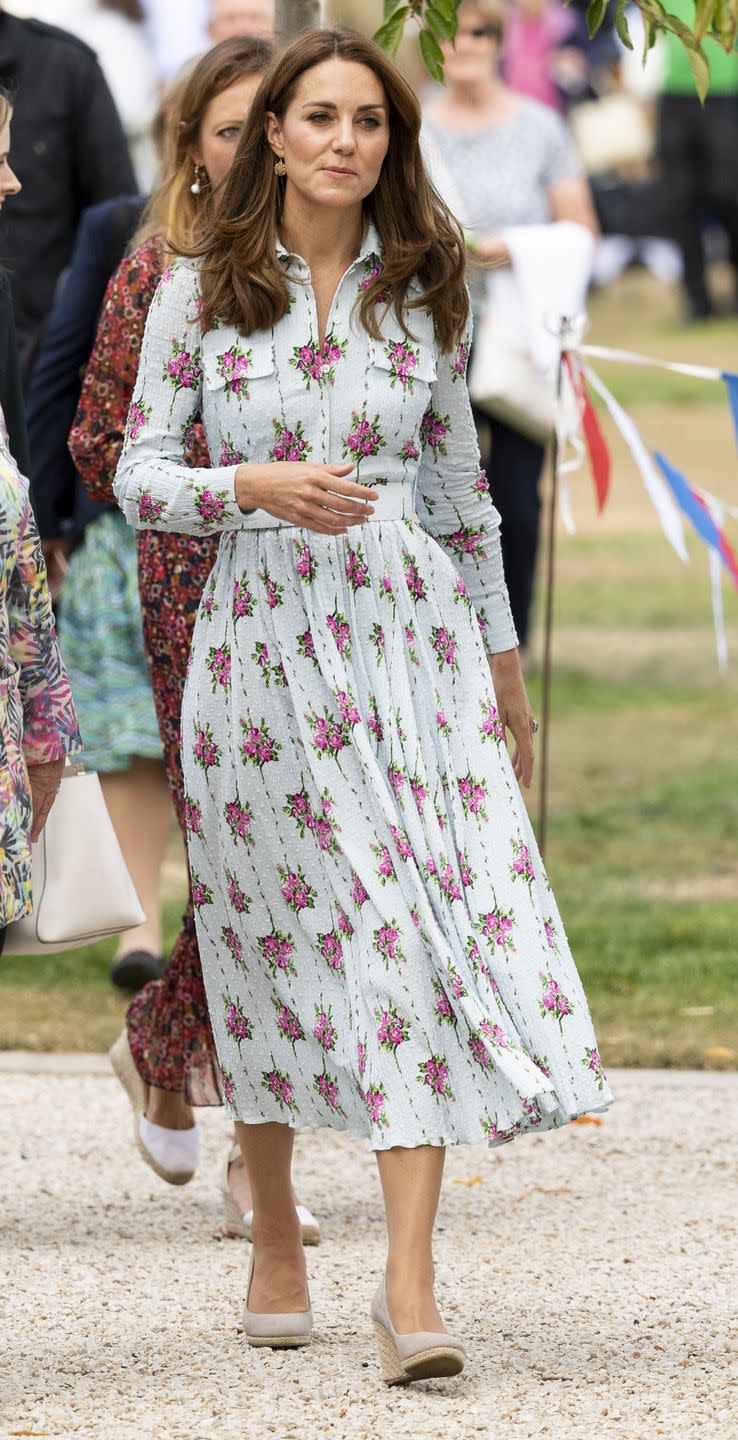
423	1355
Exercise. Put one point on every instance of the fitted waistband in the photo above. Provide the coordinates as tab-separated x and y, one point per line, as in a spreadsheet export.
396	502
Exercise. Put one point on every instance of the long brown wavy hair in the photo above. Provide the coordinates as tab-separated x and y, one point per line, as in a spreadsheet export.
173	211
243	282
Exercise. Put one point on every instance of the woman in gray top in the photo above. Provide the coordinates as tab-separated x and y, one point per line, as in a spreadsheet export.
512	163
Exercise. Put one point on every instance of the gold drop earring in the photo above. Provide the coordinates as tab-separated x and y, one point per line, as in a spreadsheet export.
280	168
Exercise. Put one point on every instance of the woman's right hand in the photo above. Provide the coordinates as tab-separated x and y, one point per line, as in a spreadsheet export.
313	497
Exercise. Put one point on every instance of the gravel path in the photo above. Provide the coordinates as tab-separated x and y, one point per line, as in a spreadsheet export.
592	1272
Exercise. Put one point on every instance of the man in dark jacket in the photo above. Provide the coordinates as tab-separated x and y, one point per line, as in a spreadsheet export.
69	150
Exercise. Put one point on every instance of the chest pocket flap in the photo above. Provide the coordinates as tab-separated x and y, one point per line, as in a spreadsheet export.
405	360
231	361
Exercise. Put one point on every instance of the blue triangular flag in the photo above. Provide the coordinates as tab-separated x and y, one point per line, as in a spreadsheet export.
731	385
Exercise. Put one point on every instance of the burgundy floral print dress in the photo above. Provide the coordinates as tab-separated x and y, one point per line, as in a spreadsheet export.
381	949
167	1021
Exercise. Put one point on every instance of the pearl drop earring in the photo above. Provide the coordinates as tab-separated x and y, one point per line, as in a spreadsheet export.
198	181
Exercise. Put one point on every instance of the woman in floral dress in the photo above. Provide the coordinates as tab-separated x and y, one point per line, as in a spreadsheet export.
381	949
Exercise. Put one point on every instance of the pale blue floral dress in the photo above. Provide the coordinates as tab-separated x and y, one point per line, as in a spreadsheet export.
380	945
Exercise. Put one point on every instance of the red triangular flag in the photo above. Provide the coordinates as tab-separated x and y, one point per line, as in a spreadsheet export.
599	455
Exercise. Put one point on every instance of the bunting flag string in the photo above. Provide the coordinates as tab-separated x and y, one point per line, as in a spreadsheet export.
668	489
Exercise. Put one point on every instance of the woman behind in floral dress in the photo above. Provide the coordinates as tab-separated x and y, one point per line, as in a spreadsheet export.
381	949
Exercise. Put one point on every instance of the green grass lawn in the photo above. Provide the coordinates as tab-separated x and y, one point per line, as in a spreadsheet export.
643	830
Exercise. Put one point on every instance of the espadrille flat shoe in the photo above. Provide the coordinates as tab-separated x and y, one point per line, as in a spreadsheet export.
279	1332
173	1155
240	1224
423	1355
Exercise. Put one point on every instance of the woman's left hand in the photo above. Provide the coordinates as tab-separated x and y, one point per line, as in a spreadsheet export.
45	781
513	708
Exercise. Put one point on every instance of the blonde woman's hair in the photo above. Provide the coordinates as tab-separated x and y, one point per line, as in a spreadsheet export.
242	281
173	211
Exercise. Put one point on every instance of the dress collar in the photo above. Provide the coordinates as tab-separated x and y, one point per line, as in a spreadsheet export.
371	248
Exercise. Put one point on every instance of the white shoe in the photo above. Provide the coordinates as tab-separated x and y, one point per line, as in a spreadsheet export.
173	1155
240	1224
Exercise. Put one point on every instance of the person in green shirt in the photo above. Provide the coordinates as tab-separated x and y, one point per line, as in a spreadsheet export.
698	147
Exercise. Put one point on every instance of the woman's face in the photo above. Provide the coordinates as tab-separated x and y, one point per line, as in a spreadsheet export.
334	134
473	58
221	128
9	182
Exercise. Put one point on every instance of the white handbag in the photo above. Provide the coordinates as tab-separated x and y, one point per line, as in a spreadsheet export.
504	383
82	890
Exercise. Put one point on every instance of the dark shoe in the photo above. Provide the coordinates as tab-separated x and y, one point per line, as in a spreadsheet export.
136	969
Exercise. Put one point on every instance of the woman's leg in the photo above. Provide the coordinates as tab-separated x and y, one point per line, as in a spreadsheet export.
514	475
141	811
411	1185
279	1280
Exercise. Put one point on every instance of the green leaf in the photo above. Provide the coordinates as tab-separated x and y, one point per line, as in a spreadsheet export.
440	22
431	53
704	15
389	34
621	24
595	16
389	7
700	69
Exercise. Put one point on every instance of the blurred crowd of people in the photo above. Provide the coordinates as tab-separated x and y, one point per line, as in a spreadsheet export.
536	126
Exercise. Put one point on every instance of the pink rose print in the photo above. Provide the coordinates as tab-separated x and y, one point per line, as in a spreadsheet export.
392	1030
373	272
278	949
466	541
258	747
288	1023
481	485
375	724
210	506
385	868
377	639
207	754
274	591
357	570
412	640
375	1100
190	436
238	899
387	944
229	455
386	591
330	733
361	1058
330	947
455	983
593	1062
344	924
276	1083
183	369
233	366
497	928
434	1073
397	781
473	794
219	665
479	1051
461	594
442	723
149	509
358	893
305	563
413	579
306	647
324	1030
318	362
442	873
468	876
289	444
445	647
410	451
296	892
434	431
553	1001
363	440
193	816
201	893
402	844
237	1023
522	864
209	604
491	727
229	1086
543	1064
243	600
326	1086
550	930
339	628
232	943
403	358
138	418
444	1009
459	362
239	820
496	1036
